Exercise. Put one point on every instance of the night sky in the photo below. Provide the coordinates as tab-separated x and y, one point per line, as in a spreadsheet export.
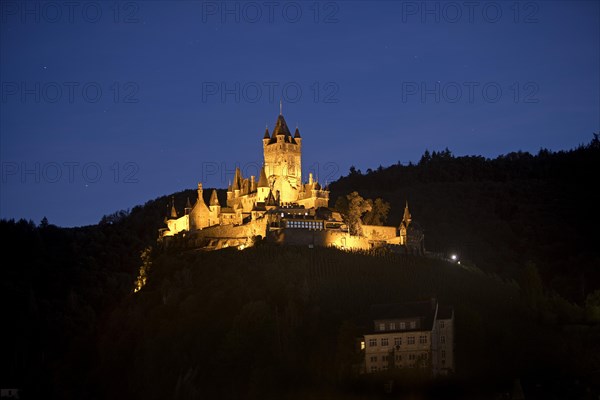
107	105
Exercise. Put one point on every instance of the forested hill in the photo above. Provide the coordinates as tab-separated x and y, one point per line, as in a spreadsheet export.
501	213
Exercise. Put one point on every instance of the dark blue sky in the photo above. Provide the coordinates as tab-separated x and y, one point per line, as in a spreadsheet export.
104	107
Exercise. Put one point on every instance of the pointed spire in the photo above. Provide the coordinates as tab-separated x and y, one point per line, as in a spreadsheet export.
237	179
267	136
214	200
406	218
281	127
173	210
297	133
262	181
188	204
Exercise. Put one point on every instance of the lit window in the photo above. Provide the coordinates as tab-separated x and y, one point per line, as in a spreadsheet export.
397	341
362	344
382	327
422	339
411	340
384	342
372	342
402	325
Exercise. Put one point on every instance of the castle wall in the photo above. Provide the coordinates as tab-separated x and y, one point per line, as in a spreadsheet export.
323	238
378	232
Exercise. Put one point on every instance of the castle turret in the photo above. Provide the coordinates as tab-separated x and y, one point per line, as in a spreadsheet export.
229	193
406	218
236	187
262	187
297	137
188	206
266	137
173	210
199	191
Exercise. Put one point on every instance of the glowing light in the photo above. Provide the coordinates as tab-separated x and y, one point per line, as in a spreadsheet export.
241	247
362	344
453	256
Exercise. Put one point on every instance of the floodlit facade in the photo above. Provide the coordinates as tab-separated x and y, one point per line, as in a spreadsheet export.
410	335
278	206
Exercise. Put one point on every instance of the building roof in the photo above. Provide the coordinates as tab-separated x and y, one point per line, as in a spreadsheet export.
281	127
445	312
262	180
237	179
267	136
297	133
423	310
214	200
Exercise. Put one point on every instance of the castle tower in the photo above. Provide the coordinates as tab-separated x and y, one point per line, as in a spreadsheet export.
237	181
215	208
173	210
406	218
188	206
262	187
283	161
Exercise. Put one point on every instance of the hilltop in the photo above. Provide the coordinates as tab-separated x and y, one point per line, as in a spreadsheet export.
525	296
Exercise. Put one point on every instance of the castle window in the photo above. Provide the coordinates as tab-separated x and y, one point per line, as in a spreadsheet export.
402	325
398	341
443	353
411	340
392	326
373	369
443	339
382	327
423	339
372	342
413	324
373	358
412	357
442	325
398	357
385	342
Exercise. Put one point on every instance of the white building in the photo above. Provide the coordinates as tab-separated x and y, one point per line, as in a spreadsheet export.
410	335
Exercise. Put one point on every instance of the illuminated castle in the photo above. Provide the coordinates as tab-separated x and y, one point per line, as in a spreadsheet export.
278	206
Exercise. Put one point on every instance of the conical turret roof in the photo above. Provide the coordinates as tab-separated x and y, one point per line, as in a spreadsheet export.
214	200
281	127
263	181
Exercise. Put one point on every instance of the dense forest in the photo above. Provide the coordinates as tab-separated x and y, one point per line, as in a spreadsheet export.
269	322
501	213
